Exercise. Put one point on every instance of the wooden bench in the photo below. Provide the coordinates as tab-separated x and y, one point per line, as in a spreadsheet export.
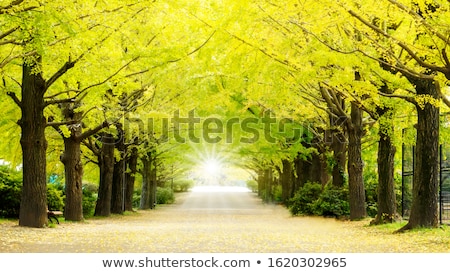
53	214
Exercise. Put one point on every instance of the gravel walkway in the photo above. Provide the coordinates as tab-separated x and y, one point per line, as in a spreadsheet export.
177	229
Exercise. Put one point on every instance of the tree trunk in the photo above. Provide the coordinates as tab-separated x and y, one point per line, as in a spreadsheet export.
339	147
146	178
339	141
297	181
319	169
118	185
106	167
339	156
33	203
357	194
130	178
386	203
73	167
424	207
153	184
268	181
286	180
303	169
117	196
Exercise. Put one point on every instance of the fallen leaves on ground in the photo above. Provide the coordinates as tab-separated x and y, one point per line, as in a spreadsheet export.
169	230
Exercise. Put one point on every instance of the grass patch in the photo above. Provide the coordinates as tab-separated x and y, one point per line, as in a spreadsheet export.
441	230
128	213
390	227
8	220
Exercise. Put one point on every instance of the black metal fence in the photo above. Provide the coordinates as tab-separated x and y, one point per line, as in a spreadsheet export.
444	182
407	178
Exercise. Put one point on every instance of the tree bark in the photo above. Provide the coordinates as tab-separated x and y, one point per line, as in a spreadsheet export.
286	180
73	167
386	203
146	178
268	181
319	170
424	207
33	204
106	168
117	196
302	172
130	175
357	194
118	185
339	148
261	184
153	184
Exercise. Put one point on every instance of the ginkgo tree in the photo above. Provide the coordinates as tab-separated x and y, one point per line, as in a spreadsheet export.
407	41
49	47
410	39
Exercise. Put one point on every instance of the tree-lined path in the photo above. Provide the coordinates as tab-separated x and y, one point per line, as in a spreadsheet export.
205	221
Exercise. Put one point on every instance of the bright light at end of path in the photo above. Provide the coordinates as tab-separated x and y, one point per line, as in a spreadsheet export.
211	167
219	189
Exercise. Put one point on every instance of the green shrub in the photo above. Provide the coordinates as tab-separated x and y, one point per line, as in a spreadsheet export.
90	193
55	197
164	196
370	177
182	185
312	199
252	185
301	203
277	193
398	191
10	192
332	202
137	198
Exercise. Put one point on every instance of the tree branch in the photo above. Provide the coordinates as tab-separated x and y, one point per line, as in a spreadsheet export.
93	131
284	62
445	57
68	65
316	105
51	102
8	32
60	93
172	60
329	94
203	44
55	126
399	66
12	41
108	78
100	42
322	41
12	4
402	45
61	123
421	19
15	99
442	95
88	142
6	60
404	97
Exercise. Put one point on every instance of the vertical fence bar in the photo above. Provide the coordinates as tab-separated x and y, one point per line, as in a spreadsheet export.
441	203
403	180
